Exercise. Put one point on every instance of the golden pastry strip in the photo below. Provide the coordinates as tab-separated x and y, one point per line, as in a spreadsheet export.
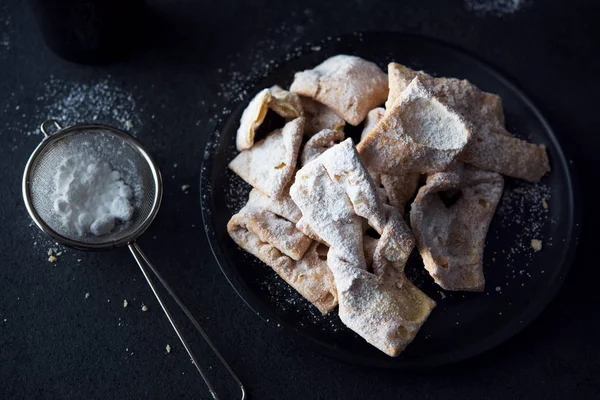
270	164
333	192
451	237
284	103
492	148
517	158
397	189
293	256
349	85
417	133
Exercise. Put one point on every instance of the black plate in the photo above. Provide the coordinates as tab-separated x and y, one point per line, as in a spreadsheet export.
519	281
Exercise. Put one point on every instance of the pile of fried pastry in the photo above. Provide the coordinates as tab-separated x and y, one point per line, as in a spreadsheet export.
328	215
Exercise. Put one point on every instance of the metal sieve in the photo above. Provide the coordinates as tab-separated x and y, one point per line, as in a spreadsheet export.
126	155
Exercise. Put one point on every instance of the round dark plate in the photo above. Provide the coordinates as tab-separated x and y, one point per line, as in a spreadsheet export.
519	281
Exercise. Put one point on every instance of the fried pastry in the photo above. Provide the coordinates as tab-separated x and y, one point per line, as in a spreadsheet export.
252	117
334	229
397	189
319	116
284	103
451	237
418	133
320	142
284	206
279	232
293	256
373	118
350	85
400	188
492	147
507	155
270	164
334	192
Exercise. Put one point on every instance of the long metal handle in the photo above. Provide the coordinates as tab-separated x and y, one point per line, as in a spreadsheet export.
143	261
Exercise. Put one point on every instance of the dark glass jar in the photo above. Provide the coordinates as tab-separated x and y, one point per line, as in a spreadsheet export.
90	31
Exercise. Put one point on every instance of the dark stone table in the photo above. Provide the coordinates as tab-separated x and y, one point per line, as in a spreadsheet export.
64	333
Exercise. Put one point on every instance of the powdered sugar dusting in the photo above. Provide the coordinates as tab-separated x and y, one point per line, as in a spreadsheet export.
237	192
100	102
5	28
495	7
90	196
103	102
524	210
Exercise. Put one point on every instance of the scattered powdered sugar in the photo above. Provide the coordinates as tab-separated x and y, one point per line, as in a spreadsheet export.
90	197
242	70
494	7
5	26
526	205
100	102
429	122
524	212
237	192
104	102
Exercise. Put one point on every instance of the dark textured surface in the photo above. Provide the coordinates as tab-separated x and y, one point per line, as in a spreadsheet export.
54	343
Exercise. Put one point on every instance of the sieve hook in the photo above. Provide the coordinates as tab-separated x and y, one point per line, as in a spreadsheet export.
142	260
44	127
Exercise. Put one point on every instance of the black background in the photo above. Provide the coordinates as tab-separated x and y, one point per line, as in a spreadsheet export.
54	343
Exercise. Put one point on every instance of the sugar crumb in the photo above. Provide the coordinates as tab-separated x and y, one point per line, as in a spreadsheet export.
52	259
185	188
125	303
168	348
144	308
498	289
536	244
87	295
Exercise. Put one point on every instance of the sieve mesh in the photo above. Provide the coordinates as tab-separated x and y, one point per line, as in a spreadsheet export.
121	152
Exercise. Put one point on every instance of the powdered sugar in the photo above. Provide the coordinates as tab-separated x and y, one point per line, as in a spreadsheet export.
495	7
6	29
103	101
428	122
100	102
90	196
4	37
522	209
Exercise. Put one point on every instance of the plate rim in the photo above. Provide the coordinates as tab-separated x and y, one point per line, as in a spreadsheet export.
499	337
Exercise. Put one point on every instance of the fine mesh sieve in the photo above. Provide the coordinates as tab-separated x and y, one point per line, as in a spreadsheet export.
126	155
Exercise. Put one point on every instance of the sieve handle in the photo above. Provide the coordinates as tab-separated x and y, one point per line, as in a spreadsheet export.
144	262
44	127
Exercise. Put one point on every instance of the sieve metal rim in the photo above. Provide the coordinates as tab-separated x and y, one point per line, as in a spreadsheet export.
61	133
